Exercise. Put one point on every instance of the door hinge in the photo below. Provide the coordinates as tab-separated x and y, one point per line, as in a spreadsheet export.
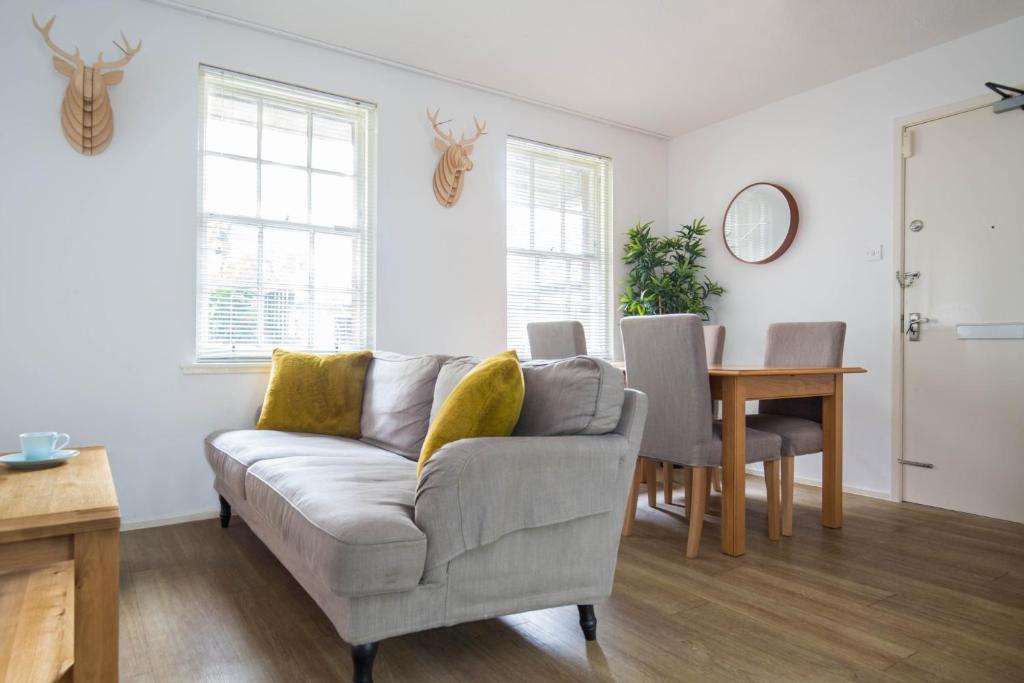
908	143
914	463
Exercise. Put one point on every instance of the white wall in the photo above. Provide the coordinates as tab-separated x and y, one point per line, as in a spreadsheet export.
833	148
97	255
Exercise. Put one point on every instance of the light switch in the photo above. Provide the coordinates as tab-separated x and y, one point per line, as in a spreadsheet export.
873	253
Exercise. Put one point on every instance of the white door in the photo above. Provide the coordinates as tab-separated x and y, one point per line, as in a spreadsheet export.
963	389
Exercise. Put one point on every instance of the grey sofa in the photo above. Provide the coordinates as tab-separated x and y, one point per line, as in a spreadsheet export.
494	526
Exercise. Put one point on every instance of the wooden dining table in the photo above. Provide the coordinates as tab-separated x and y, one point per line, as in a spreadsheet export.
734	386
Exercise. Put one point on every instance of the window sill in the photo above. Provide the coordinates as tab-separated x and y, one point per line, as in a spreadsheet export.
254	368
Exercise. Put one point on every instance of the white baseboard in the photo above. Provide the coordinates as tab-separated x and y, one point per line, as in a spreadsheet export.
857	491
167	521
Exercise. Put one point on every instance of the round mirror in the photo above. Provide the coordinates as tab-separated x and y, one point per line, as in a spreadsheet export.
760	223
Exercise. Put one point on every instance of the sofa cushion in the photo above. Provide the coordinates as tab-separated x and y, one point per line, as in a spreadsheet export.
486	402
397	400
231	453
312	393
581	395
348	520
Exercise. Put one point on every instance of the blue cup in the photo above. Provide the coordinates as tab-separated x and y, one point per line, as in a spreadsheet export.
36	445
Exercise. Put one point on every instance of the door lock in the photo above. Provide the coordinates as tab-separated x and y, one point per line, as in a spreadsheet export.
914	326
906	279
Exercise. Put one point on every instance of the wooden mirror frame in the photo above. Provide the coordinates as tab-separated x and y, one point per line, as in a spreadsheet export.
794	222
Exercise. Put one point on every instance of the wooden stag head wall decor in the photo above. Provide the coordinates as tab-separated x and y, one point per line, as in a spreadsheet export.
454	162
85	115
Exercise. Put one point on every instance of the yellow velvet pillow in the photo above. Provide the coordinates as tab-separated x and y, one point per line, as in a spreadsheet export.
317	394
486	402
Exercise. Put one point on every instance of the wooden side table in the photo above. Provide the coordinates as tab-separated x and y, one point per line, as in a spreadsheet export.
71	513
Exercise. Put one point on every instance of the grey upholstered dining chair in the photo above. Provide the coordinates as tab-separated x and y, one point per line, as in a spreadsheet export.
714	343
557	339
797	420
665	359
714	348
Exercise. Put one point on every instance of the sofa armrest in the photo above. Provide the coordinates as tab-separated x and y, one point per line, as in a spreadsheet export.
474	491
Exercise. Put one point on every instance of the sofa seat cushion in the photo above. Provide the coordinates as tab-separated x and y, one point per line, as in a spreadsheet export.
397	401
231	453
580	395
799	436
349	520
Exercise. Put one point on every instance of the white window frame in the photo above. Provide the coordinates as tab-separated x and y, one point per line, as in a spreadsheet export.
601	256
362	116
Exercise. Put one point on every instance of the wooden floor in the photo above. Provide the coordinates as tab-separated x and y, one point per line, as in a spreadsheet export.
901	593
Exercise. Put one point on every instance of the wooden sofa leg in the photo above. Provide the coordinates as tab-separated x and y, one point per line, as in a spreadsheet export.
588	621
362	662
225	513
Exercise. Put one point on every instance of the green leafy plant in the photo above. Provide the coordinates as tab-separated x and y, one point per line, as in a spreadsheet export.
665	272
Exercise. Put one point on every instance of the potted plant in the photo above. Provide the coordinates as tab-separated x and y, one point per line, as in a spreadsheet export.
665	272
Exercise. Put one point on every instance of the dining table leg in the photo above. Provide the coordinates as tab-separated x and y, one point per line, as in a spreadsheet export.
734	432
832	457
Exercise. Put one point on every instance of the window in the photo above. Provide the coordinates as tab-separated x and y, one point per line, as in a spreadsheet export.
558	267
286	219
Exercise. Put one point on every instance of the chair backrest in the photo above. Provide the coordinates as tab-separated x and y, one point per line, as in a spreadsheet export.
714	343
807	345
665	359
557	339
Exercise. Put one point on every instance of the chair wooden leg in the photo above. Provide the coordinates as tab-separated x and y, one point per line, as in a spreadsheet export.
787	495
634	493
666	475
687	489
716	479
651	467
695	508
771	481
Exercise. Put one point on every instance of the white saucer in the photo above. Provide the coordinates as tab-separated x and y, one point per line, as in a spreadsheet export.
20	461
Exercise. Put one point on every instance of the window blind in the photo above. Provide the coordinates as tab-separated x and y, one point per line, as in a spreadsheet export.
558	224
286	219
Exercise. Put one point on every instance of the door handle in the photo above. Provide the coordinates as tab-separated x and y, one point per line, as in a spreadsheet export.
914	326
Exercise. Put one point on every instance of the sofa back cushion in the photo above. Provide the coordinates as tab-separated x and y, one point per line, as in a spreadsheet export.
580	395
397	400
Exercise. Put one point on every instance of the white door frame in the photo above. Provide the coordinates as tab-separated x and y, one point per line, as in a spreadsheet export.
899	178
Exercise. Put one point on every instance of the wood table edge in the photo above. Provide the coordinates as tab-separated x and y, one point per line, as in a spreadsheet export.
756	371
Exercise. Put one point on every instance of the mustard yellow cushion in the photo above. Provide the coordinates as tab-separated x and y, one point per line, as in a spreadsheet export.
318	394
486	402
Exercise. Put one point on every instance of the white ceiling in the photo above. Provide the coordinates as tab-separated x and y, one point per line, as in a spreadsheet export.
666	66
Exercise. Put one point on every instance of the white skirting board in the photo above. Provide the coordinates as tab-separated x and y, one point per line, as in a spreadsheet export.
870	493
167	521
